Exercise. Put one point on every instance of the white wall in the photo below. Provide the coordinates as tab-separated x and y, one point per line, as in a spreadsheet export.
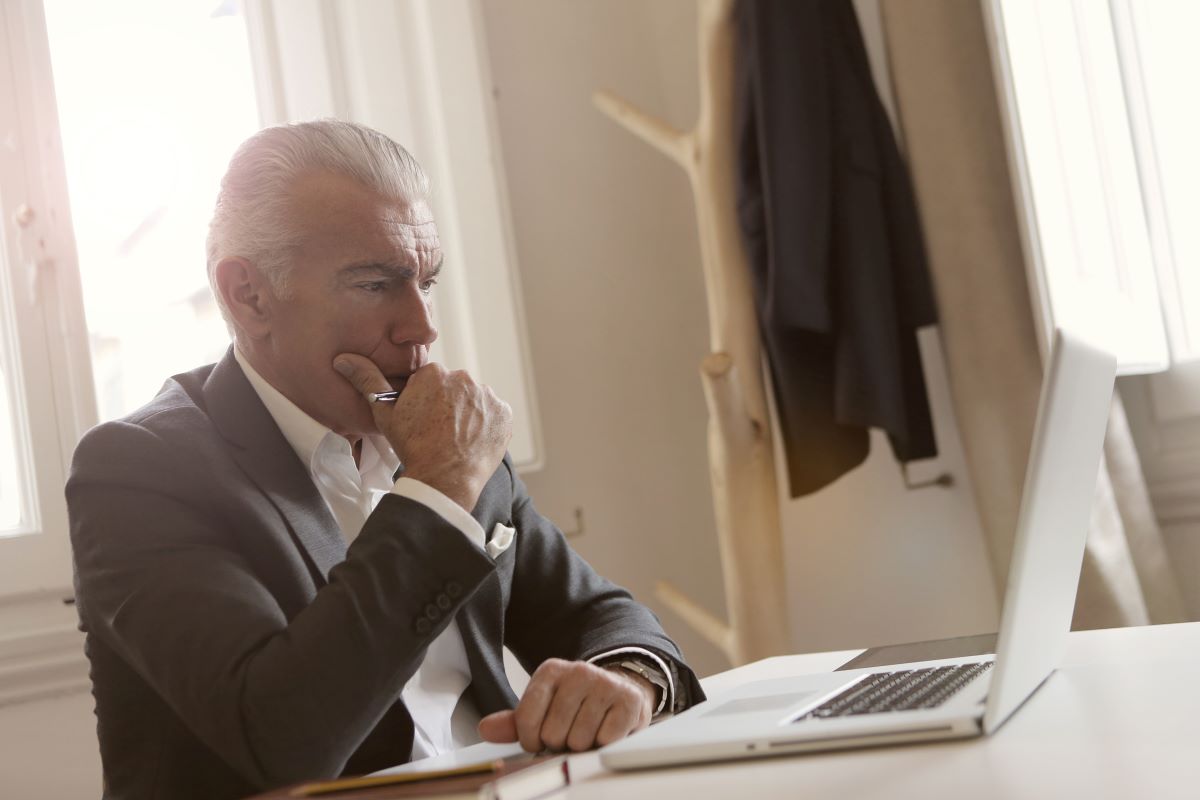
609	264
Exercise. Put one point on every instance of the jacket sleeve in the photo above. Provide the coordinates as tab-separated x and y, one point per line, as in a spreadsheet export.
160	579
561	608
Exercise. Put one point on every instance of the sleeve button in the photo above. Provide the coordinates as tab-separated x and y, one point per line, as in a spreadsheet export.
454	589
431	612
444	602
423	626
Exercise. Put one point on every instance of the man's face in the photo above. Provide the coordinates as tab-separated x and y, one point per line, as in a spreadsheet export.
361	282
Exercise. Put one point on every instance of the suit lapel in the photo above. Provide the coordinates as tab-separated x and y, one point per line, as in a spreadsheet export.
264	454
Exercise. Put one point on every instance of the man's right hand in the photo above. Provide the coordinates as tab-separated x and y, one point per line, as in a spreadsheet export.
449	431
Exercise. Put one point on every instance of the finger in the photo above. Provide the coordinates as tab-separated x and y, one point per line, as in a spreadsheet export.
587	722
569	695
499	727
362	373
536	701
621	719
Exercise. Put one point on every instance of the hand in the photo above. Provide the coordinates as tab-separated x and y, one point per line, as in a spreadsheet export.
449	431
573	705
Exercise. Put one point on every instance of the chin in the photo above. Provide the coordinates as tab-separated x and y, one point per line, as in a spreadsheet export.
354	419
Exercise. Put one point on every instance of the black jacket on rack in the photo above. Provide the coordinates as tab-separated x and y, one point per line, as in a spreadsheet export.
832	237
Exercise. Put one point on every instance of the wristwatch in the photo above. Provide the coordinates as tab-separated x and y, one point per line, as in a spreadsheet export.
647	671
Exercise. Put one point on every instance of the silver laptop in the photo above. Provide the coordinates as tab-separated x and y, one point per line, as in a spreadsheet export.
950	698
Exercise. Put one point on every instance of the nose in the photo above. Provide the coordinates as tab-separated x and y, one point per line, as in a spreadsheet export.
412	322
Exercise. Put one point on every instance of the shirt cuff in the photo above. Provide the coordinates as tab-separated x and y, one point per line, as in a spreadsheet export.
667	701
443	506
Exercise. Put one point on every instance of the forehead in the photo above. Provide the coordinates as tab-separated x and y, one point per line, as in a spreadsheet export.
340	219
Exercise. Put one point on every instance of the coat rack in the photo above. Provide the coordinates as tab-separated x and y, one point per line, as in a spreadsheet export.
741	458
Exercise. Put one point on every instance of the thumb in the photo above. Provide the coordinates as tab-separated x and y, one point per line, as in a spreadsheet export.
362	373
499	727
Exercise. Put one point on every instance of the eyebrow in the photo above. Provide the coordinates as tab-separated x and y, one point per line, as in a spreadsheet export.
391	270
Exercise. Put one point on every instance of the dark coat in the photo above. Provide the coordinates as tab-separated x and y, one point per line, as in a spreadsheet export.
237	644
832	237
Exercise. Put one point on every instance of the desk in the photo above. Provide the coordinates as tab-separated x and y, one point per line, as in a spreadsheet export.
1120	719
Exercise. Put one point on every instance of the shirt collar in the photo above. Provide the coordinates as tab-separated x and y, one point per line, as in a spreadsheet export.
306	435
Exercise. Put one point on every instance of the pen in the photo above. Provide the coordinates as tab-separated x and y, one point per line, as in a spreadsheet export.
382	397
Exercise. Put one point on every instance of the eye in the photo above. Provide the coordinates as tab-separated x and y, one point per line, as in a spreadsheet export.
427	285
373	287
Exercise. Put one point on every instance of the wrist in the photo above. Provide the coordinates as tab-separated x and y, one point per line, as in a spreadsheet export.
650	692
452	486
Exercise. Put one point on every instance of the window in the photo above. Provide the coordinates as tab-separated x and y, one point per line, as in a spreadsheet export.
1102	127
1161	60
152	98
40	376
15	507
1088	247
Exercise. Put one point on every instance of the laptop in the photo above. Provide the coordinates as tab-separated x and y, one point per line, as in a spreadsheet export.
949	698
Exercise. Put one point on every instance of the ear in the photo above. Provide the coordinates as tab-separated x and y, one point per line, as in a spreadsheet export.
247	296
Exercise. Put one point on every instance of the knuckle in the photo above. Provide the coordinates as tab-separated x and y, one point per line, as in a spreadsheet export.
525	718
552	737
552	667
606	737
579	740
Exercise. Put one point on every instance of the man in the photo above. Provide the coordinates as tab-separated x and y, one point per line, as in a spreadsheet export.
264	601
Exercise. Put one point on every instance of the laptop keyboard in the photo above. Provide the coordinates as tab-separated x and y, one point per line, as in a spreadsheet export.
902	690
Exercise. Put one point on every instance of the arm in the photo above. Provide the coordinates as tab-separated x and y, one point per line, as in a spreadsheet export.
164	579
561	608
562	615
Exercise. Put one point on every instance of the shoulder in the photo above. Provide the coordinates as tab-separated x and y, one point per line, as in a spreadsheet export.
174	419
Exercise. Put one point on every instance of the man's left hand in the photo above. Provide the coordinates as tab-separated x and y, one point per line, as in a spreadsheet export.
573	705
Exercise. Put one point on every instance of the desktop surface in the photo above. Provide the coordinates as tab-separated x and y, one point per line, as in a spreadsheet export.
1119	719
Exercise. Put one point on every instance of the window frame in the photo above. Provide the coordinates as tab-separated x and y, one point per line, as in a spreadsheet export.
40	647
43	287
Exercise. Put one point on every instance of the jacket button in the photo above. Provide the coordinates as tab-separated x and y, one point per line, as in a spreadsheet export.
431	612
423	626
454	589
444	602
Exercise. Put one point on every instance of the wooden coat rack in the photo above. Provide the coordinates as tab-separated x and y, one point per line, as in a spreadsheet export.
740	445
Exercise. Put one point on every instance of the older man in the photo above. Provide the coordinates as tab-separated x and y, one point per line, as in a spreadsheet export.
283	576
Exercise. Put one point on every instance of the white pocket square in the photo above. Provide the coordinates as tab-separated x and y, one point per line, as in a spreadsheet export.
502	538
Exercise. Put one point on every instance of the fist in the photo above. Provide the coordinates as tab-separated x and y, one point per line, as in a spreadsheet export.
449	431
573	705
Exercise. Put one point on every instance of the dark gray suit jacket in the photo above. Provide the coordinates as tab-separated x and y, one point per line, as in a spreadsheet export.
833	240
237	644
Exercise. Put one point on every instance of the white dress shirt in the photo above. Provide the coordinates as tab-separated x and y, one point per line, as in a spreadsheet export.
444	718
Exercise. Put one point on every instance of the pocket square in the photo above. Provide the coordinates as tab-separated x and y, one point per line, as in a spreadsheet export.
502	538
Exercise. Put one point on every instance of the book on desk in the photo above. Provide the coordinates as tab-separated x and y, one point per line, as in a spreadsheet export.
520	777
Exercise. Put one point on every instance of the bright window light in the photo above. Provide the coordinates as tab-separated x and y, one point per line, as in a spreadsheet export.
153	99
11	488
1165	33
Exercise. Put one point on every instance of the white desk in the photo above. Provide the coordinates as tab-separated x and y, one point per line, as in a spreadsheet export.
1120	719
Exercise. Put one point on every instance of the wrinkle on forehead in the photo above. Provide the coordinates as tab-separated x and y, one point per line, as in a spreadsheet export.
322	197
344	219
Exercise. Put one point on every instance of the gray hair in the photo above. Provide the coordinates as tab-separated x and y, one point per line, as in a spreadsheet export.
252	216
